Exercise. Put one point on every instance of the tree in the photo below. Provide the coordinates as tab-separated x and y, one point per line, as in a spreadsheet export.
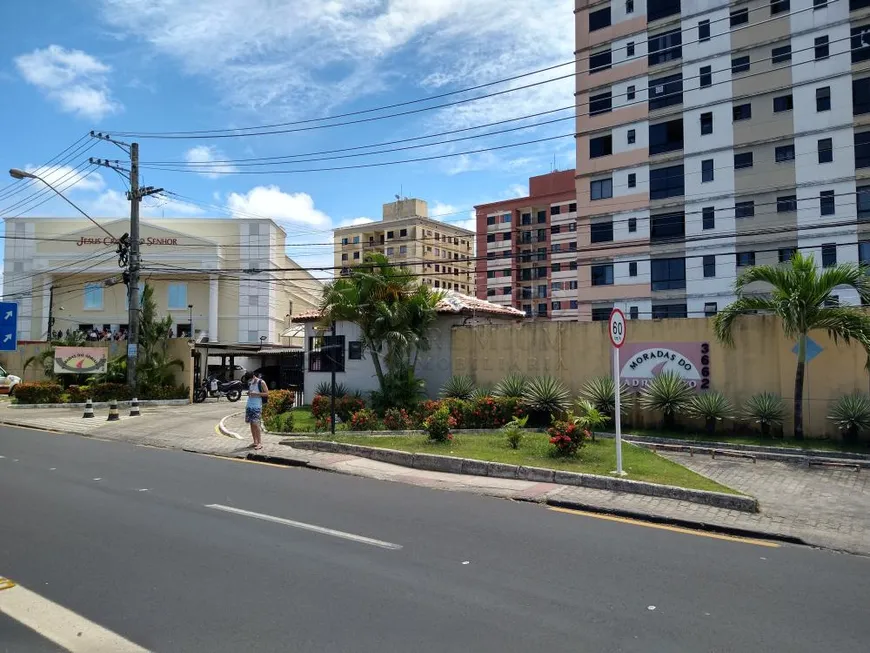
155	367
800	297
394	313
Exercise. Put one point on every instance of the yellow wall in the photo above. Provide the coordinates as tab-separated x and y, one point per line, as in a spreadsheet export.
761	359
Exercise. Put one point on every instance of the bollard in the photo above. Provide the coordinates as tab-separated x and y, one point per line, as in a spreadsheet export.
113	411
89	409
134	408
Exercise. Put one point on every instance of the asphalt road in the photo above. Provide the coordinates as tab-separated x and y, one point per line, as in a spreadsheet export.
141	553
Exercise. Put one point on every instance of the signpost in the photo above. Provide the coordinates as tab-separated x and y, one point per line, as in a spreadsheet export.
8	326
616	329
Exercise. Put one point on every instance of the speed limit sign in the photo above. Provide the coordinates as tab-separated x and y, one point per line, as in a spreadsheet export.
616	327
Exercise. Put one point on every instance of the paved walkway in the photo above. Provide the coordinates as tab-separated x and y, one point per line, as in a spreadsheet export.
822	507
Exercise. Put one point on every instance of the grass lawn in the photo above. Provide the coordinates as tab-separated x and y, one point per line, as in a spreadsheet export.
733	438
303	420
595	458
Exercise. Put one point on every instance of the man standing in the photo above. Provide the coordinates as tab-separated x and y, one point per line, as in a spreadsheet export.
257	389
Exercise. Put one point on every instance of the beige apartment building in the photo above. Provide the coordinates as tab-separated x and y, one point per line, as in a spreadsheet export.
231	276
442	255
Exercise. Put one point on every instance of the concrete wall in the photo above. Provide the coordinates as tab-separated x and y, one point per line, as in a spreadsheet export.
761	359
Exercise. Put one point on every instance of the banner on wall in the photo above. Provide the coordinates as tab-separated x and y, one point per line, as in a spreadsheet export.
641	361
80	360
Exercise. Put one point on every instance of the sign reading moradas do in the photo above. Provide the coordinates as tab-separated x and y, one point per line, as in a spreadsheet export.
641	361
80	360
151	240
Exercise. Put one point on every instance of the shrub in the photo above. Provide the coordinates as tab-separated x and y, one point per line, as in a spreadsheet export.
590	418
488	412
514	431
345	406
38	393
481	393
280	401
458	387
669	394
281	423
322	424
512	386
710	406
426	408
851	414
545	397
77	394
439	424
108	391
566	436
320	406
325	388
766	409
402	389
599	390
364	419
397	419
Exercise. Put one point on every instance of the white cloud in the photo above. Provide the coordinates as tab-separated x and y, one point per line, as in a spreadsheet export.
452	215
271	202
517	190
68	179
203	158
354	222
75	80
114	204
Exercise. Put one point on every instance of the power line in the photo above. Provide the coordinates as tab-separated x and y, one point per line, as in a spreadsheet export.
43	168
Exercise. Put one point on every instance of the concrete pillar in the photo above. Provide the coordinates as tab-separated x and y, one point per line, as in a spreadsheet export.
213	309
47	280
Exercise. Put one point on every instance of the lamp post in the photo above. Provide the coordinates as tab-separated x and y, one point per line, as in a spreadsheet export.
190	308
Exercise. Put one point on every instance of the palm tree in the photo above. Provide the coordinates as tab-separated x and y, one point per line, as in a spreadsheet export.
46	358
800	297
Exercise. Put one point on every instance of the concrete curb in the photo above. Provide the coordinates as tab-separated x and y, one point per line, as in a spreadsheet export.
105	404
451	464
222	427
24	425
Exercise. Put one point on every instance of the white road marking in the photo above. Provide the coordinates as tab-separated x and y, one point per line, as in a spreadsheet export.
307	527
144	489
98	479
51	469
60	625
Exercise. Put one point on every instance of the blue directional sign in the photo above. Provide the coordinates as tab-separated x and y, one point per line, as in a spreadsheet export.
813	349
8	326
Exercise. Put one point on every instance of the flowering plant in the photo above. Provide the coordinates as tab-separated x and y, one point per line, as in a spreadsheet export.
439	424
364	420
397	419
567	437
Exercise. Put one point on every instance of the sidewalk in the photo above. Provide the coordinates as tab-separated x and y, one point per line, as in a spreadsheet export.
825	508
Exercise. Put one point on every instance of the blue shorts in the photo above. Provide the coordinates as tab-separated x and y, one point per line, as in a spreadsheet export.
253	415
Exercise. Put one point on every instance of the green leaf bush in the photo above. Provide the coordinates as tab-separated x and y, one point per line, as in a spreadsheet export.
38	393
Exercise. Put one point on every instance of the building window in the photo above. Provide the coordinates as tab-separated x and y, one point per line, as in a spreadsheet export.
505	219
600	61
823	98
742	112
602	275
94	297
572	265
556	267
629	9
572	226
599	19
355	350
490	238
403	233
391	235
506	236
556	306
601	232
665	47
707	170
356	256
656	9
490	274
709	266
403	249
601	189
345	241
631	136
864	252
633	313
556	247
632	269
707	123
542	310
600	103
705	76
490	220
710	309
490	292
778	6
786	254
739	64
326	353
826	150
629	93
542	217
784	153
666	182
708	217
744	209
860	43
861	96
668	226
526	218
629	49
356	240
862	149
344	257
177	296
555	229
819	4
829	255
666	137
632	222
827	205
786	203
743	160
739	17
555	210
600	146
664	311
601	313
783	103
782	54
822	48
862	198
668	273
665	91
745	259
703	30
632	179
506	290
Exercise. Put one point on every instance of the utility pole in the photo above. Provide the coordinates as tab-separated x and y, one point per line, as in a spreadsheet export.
128	245
50	336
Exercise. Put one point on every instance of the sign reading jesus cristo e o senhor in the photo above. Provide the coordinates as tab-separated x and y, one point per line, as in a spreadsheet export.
113	241
641	361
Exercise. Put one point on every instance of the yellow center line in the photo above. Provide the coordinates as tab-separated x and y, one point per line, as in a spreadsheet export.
664	527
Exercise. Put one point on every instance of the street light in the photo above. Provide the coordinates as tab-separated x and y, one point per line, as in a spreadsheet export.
17	173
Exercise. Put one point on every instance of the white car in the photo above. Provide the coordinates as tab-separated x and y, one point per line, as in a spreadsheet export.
8	382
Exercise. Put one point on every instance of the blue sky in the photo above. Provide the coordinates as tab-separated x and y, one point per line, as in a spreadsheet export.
68	66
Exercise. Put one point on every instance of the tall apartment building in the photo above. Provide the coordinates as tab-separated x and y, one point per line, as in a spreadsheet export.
441	254
527	249
715	135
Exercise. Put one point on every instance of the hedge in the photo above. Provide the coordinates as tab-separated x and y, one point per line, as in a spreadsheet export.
38	393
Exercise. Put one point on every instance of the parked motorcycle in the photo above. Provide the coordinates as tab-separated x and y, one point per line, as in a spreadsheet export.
215	388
